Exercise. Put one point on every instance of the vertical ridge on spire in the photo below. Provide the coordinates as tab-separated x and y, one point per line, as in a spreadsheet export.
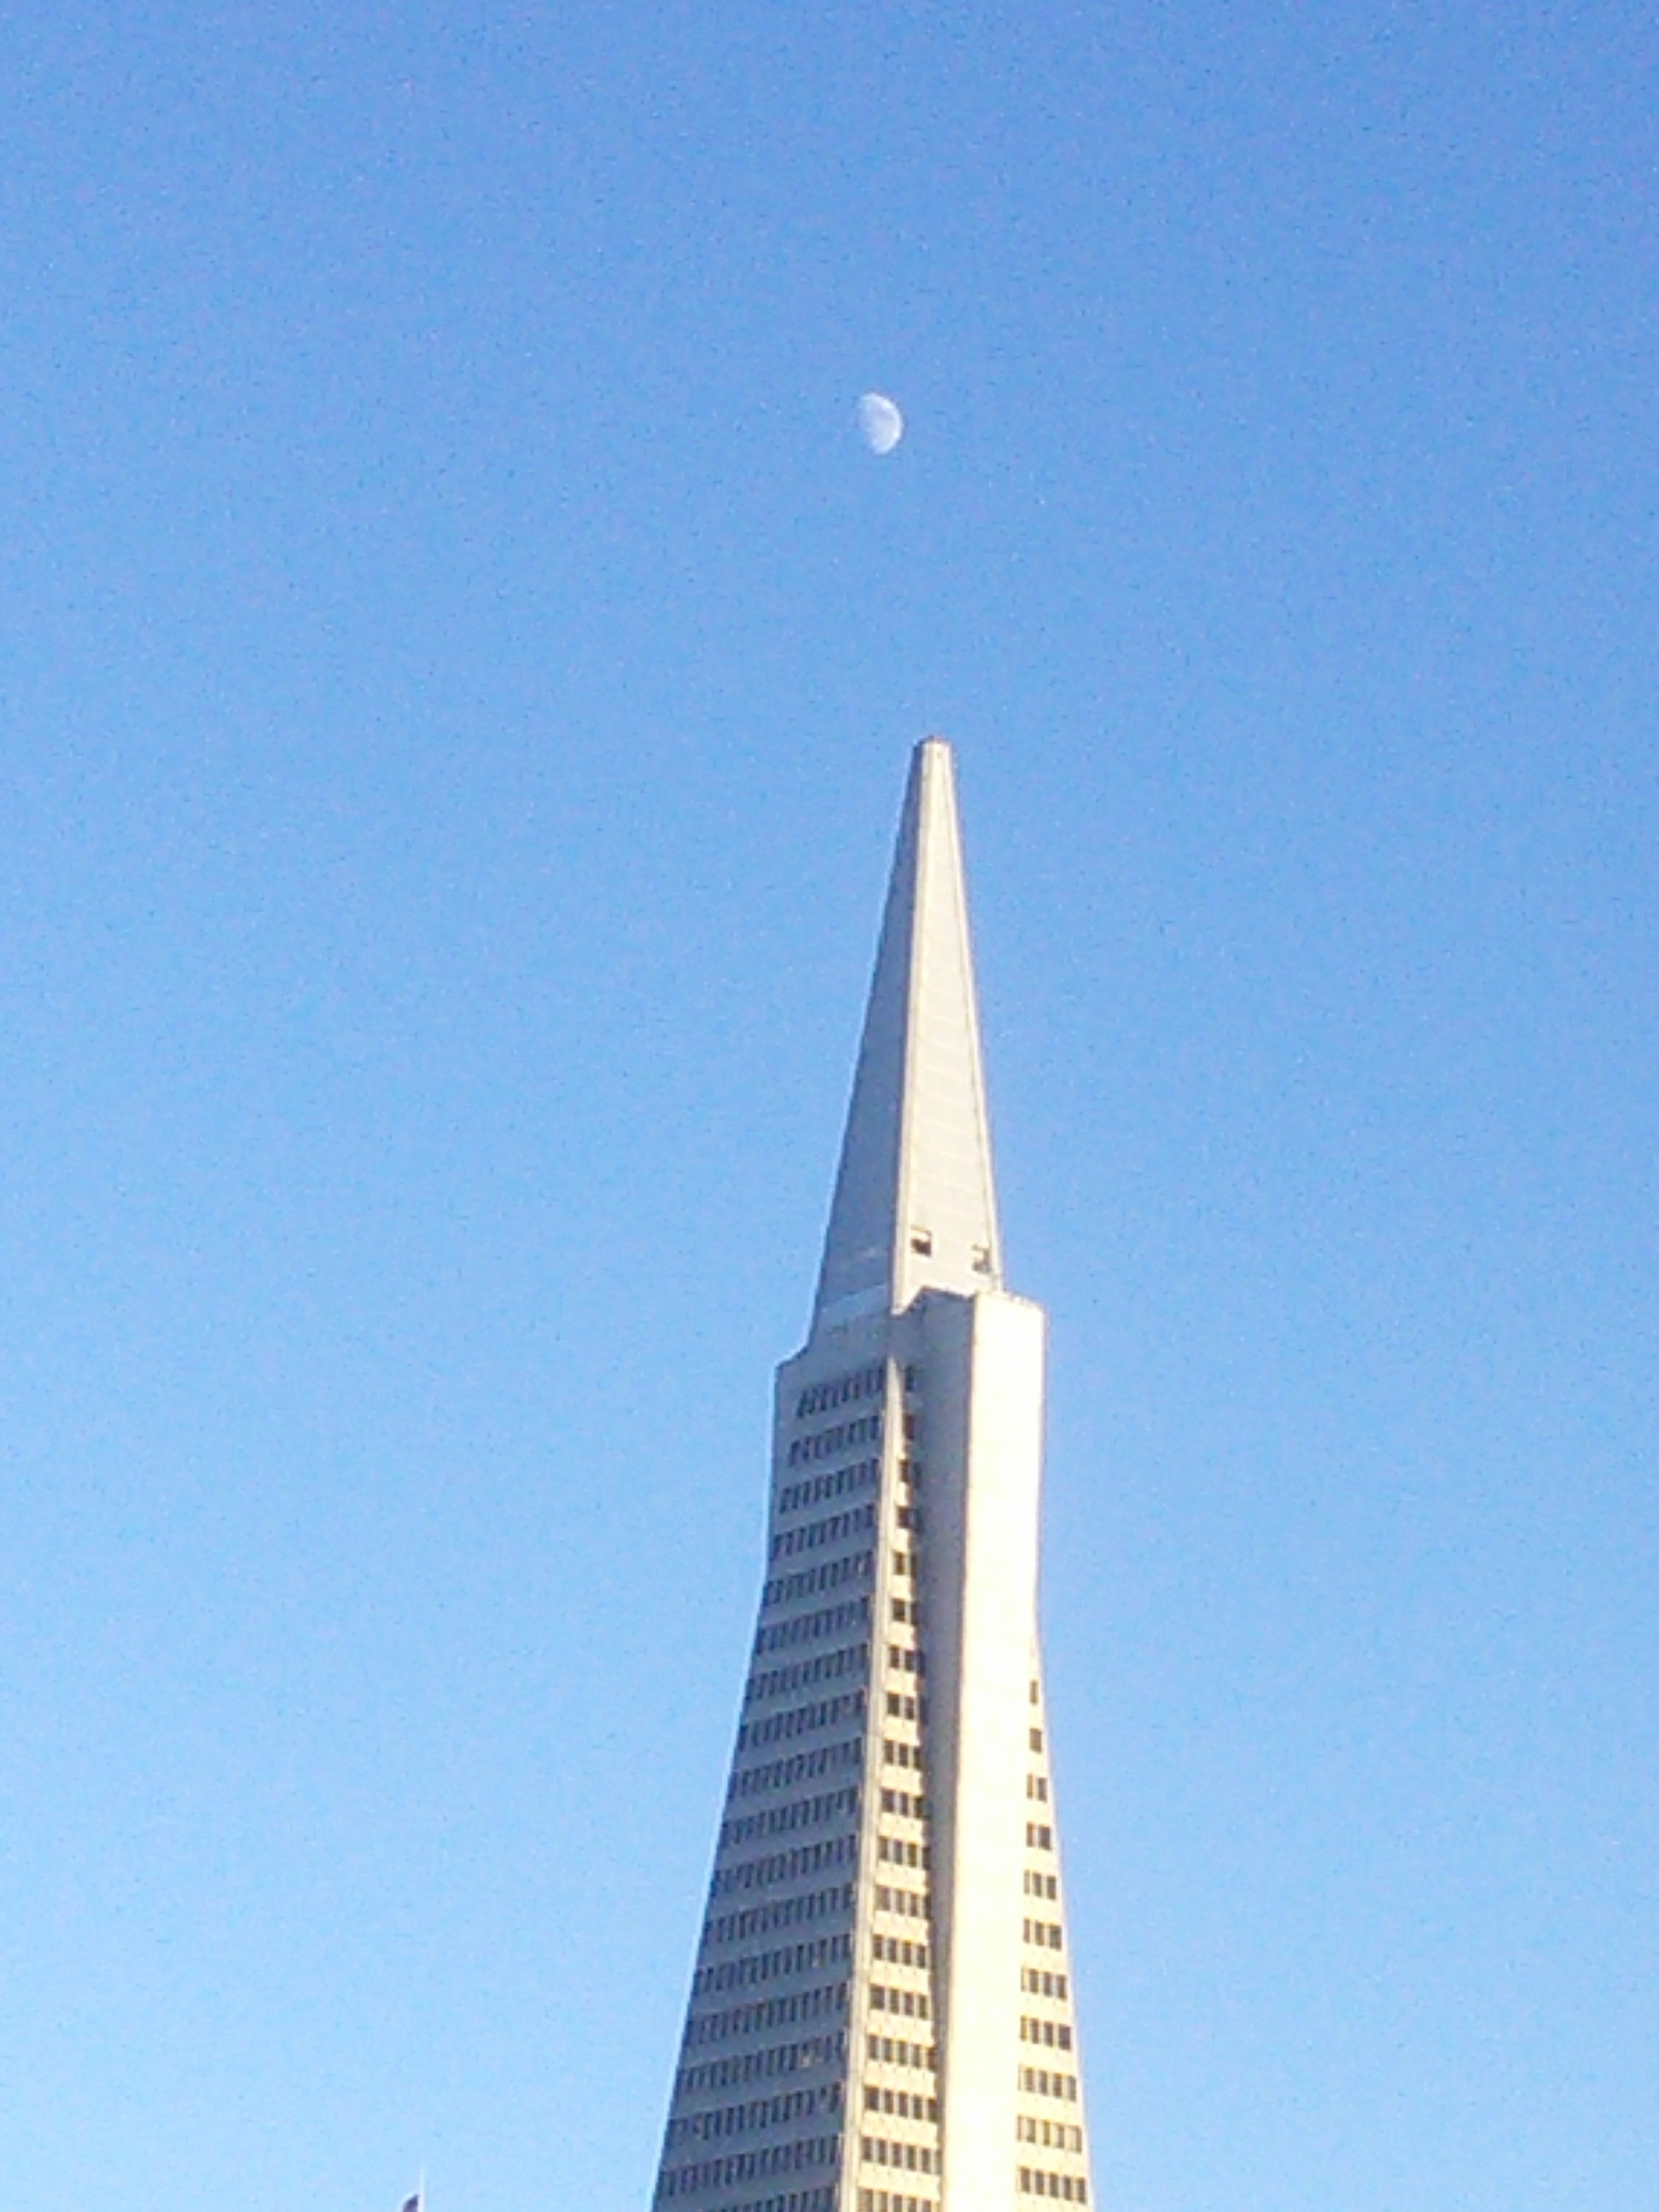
914	1206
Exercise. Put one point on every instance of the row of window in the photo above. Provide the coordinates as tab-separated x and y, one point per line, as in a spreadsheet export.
1046	1934
843	1390
1055	2032
802	2103
759	2113
1037	1739
829	1443
899	1951
783	1590
910	1903
892	2050
906	1608
1036	1785
903	2104
914	2158
768	2012
801	2057
903	1706
836	1483
905	1659
1033	2182
914	2002
1053	2135
820	2051
785	1866
785	1913
901	1801
1040	1984
801	1673
813	1627
899	1850
1039	1838
802	1720
1043	1885
772	1966
889	2200
779	1773
1038	2082
748	2165
813	1535
792	2200
900	1754
799	1813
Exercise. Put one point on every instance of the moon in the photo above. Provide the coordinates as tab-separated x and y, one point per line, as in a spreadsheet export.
880	421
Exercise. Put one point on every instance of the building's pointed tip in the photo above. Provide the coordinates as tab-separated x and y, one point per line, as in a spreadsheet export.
916	1203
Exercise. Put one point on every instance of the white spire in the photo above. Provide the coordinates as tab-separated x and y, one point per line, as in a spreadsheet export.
915	1205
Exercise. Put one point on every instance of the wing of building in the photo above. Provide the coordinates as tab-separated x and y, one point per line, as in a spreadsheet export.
881	2016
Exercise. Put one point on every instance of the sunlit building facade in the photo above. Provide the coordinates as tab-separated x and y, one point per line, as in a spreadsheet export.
881	2014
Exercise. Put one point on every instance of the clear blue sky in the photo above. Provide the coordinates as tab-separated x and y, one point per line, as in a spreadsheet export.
457	663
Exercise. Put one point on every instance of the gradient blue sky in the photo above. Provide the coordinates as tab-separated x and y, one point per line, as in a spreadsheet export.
456	663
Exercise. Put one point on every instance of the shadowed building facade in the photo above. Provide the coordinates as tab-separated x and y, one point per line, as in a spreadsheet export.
881	2014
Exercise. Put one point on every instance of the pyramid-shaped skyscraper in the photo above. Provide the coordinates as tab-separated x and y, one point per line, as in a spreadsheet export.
881	2016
